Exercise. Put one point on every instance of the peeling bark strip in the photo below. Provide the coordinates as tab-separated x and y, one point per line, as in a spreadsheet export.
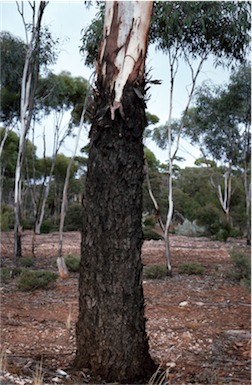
122	54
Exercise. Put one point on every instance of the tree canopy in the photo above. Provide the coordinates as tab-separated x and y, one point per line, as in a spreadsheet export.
13	55
219	121
200	27
221	28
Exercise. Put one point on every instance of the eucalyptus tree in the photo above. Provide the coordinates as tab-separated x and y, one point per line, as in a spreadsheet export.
19	78
61	261
220	124
13	52
58	96
111	336
8	159
28	87
192	32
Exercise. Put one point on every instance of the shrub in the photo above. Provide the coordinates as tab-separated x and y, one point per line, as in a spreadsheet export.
73	262
27	261
191	268
236	233
74	217
48	227
27	224
209	216
151	234
155	271
7	273
149	221
36	279
190	229
241	270
7	217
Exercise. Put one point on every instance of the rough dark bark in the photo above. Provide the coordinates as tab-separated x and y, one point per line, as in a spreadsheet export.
111	337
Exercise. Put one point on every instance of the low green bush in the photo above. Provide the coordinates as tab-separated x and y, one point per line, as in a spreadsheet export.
8	273
36	279
155	271
5	274
27	224
74	217
48	227
149	221
73	262
191	268
7	217
151	234
27	261
236	233
222	235
241	270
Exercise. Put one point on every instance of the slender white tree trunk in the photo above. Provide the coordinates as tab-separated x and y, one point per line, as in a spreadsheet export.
28	85
172	155
60	260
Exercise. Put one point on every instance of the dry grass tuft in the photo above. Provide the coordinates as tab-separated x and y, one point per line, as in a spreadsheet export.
38	376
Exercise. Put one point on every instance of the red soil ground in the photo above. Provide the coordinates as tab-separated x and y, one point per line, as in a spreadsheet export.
198	325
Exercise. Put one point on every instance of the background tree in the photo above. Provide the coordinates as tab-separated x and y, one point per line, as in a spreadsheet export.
111	336
61	261
13	52
219	124
58	95
192	31
28	86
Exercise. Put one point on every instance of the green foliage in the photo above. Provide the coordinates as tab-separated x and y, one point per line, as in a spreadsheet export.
221	28
236	233
91	39
48	227
73	262
149	221
191	268
198	28
7	217
68	94
5	274
9	154
241	267
217	121
155	271
36	279
8	273
222	235
27	224
13	52
60	168
210	217
153	162
13	55
27	261
151	234
74	217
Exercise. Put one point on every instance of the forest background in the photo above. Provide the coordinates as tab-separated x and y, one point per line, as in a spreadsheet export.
197	202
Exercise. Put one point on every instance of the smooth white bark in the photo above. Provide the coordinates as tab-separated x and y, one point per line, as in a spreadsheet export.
132	21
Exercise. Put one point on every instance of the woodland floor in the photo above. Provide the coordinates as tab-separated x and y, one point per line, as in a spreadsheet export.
198	325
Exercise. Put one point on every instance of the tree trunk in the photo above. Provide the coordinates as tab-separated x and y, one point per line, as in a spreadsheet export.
28	87
111	336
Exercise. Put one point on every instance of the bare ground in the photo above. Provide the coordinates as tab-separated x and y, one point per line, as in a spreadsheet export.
198	325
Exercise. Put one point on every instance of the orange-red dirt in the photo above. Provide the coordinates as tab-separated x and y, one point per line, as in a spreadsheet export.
198	325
